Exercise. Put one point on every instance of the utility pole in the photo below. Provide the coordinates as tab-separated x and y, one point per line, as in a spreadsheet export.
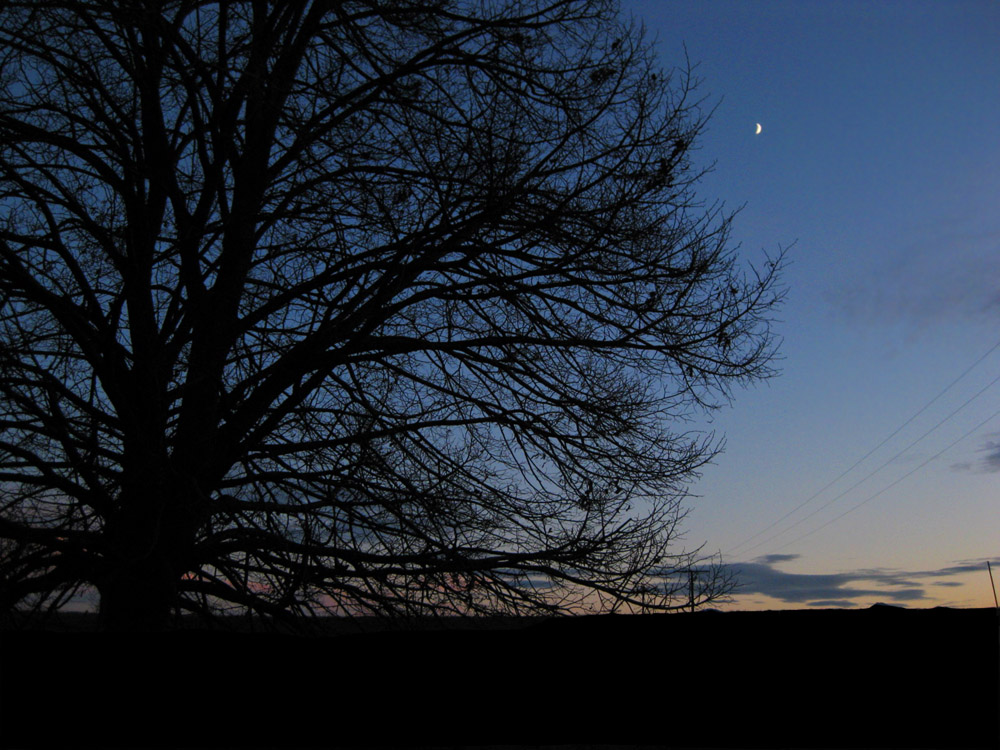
997	606
691	574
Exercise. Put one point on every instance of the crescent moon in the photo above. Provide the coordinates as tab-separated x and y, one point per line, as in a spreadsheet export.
758	129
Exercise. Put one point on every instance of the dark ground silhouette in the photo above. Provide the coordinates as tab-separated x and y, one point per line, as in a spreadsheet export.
882	677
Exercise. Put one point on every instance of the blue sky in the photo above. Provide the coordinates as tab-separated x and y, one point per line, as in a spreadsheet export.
879	158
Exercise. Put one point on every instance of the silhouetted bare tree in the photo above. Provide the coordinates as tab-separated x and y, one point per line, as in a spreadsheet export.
362	306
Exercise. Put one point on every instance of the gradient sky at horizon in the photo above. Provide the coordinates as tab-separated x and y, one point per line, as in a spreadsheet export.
879	158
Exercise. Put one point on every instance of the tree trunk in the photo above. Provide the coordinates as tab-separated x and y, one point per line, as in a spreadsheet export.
148	541
138	595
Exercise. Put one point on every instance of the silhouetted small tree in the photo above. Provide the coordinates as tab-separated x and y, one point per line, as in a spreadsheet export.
368	306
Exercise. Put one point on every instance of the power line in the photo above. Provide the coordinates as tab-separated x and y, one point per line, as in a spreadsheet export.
875	471
892	484
853	466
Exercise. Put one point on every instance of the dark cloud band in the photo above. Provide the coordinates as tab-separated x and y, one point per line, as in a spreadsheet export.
844	589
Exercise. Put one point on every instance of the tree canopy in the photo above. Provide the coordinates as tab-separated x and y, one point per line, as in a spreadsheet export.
368	306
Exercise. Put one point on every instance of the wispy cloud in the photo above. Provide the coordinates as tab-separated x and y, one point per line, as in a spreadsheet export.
989	460
913	284
761	576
